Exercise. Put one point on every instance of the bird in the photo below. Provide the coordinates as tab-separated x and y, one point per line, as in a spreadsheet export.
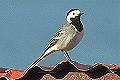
66	38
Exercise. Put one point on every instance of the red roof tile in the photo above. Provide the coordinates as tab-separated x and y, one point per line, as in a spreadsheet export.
67	70
10	74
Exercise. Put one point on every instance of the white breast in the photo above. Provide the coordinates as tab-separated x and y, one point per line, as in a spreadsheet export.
74	41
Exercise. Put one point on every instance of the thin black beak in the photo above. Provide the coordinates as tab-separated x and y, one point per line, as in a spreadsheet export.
81	14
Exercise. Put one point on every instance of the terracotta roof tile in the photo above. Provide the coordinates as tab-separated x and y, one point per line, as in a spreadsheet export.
66	70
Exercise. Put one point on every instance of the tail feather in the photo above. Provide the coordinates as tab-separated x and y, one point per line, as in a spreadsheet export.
35	63
46	53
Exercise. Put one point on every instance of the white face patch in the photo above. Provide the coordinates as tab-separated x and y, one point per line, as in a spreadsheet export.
73	14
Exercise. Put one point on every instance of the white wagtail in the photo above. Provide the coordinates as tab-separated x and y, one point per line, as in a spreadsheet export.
66	38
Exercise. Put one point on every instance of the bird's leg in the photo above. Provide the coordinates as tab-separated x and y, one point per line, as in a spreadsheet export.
67	56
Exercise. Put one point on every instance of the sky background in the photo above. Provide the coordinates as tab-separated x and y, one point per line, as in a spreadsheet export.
26	26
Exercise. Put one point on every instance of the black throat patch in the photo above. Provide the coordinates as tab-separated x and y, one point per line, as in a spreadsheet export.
77	23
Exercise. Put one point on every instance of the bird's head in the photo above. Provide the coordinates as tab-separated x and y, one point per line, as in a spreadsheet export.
73	15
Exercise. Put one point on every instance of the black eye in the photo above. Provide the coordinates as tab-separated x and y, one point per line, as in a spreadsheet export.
73	13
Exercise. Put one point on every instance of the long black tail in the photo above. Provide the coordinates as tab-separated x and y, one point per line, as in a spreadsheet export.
35	63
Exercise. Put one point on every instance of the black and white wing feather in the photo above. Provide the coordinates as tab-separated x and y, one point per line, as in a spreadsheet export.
54	39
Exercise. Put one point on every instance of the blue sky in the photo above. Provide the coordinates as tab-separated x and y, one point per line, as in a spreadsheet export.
26	26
